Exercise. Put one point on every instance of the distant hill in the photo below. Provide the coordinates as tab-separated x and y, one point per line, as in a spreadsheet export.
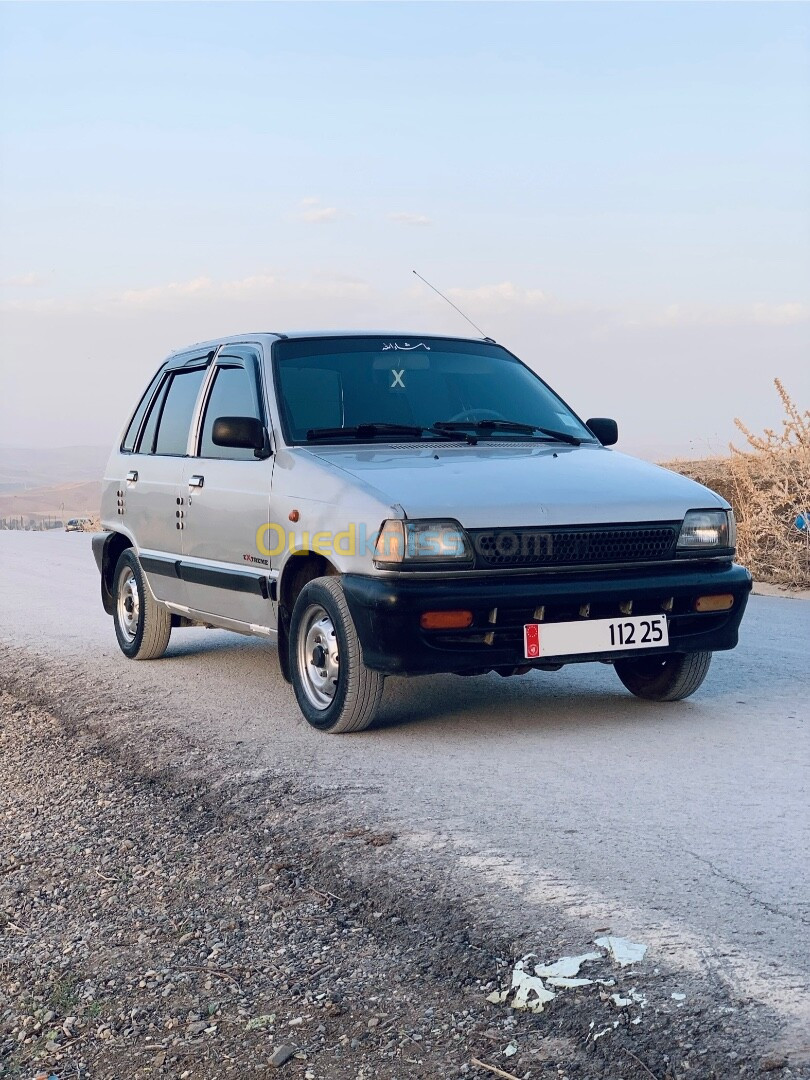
60	501
23	468
59	483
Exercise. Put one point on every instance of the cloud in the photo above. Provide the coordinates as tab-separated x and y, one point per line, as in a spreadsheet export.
507	302
503	296
203	294
311	211
404	218
257	287
174	290
24	280
781	314
686	315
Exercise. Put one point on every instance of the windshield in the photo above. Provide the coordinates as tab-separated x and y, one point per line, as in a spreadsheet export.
363	382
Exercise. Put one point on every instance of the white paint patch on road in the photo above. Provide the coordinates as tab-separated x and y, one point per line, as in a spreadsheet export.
598	1034
675	942
566	967
530	992
632	997
624	952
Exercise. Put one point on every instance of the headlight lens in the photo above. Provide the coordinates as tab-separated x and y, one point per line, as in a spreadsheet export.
707	529
408	543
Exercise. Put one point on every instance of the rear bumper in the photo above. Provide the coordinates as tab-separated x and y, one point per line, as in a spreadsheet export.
386	613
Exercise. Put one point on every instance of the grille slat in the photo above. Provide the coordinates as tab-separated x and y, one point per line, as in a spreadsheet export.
587	545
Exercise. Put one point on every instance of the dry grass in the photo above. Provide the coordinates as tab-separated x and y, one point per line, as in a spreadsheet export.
768	484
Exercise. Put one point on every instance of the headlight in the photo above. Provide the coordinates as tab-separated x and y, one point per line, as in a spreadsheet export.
707	529
421	543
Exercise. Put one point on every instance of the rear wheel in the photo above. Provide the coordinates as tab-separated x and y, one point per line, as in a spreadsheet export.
664	678
142	625
335	690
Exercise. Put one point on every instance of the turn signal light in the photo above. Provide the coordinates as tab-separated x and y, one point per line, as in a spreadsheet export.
721	602
445	620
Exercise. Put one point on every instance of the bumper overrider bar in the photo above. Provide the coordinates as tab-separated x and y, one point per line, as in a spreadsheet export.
387	613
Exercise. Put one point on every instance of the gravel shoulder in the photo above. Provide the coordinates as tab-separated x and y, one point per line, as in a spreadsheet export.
166	911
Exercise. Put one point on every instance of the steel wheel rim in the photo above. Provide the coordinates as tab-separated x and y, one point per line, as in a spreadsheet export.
128	605
318	660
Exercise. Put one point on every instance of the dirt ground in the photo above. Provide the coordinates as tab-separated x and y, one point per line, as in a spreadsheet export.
155	922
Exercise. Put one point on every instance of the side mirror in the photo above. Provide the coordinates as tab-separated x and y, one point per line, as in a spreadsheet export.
606	431
241	432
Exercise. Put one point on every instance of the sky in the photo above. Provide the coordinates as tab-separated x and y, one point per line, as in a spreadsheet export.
620	193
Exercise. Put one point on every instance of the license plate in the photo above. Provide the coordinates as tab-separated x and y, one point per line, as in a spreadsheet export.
594	636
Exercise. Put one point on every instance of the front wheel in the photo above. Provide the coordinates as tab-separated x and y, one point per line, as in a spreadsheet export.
335	690
142	625
664	678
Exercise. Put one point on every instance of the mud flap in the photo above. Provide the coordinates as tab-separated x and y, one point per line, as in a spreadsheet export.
284	647
103	555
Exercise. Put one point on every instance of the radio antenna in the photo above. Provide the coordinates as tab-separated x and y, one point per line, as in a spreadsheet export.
452	305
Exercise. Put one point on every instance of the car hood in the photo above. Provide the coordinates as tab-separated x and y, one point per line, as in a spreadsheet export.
527	484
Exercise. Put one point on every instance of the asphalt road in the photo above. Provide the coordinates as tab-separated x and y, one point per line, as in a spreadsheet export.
683	826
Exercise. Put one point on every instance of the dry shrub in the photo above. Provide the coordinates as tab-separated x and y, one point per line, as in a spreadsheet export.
768	484
769	487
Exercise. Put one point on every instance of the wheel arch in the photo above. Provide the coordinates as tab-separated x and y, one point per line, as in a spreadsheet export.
300	568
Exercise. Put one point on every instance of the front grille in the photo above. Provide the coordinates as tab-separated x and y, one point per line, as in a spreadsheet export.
574	546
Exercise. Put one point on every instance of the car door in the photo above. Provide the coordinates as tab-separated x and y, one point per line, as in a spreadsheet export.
228	494
153	485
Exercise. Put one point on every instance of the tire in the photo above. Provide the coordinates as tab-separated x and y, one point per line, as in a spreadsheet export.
142	624
335	690
664	678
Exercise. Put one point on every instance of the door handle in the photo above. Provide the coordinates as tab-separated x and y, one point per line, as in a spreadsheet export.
196	481
132	476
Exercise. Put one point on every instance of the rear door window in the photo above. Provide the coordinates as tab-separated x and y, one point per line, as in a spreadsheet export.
172	414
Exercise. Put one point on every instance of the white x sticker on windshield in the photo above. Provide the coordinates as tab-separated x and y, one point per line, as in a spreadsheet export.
398	378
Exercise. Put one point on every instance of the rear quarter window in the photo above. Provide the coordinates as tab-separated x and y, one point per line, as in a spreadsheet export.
131	436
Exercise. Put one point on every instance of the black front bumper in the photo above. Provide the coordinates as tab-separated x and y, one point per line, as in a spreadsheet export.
386	612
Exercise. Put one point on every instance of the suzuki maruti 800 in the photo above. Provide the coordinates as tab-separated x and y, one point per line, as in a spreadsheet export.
389	504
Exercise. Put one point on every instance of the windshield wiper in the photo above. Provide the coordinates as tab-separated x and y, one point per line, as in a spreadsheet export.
506	425
369	431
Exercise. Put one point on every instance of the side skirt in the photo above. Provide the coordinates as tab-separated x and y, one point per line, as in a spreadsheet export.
207	618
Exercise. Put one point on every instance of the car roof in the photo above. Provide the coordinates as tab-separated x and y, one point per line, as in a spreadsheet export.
231	339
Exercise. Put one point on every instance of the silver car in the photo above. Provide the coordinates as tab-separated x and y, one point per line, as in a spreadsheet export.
389	504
